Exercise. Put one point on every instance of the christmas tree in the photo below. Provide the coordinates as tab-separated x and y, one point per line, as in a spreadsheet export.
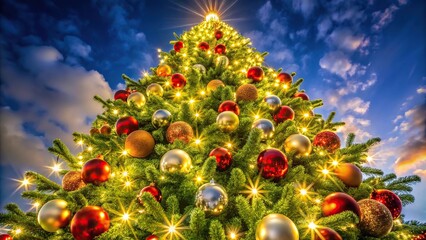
214	144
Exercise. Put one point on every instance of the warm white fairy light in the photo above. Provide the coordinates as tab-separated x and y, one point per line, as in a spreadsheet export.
127	183
229	145
369	159
80	163
232	235
325	171
312	225
303	192
335	163
212	16
80	157
317	200
80	142
159	50
124	153
178	94
125	174
90	148
125	217
115	111
197	141
304	129
203	92
18	231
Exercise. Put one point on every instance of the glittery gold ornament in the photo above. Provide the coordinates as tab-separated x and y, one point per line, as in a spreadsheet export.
154	89
298	143
266	126
276	227
246	92
176	160
350	174
72	181
54	215
179	131
222	62
211	198
214	84
376	219
137	98
200	68
227	121
164	70
139	144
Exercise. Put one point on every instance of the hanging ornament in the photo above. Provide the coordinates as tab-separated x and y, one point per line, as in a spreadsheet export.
122	95
178	46
200	68
126	125
105	130
137	98
276	227
246	92
350	174
89	222
301	95
211	198
161	118
298	143
266	126
72	181
178	81
222	62
203	46
229	105
94	131
327	140
154	89
273	102
389	199
218	34
5	237
325	233
153	190
223	158
338	202
176	160
227	121
179	131
164	70
376	219
272	163
54	215
152	237
95	171
139	144
255	74
285	78
421	236
284	113
213	85
220	49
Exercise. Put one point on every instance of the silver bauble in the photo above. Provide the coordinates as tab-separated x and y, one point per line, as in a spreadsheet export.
266	126
273	102
222	62
298	143
211	198
175	160
200	68
154	89
276	227
54	215
161	118
227	121
137	98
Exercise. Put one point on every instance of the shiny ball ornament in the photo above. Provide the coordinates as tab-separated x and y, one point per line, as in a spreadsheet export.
200	68
179	131
222	62
272	163
220	49
421	236
327	140
139	144
389	199
211	198
178	46
178	81
349	174
284	113
126	125
301	95
276	227
227	121
89	222
54	215
137	98
285	78
152	237
325	233
203	46
246	92
164	70
153	190
376	219
5	237
218	34
176	160
94	131
256	74
213	85
72	181
266	126
229	106
95	171
223	158
154	89
273	102
298	143
105	130
338	202
161	118
122	95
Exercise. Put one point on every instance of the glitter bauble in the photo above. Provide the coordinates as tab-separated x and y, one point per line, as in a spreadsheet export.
327	140
246	92
389	199
179	131
376	219
72	181
272	163
139	144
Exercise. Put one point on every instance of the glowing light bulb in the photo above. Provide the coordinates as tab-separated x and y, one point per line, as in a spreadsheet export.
191	101
125	174
256	116
80	157
80	163
159	50
172	229
128	183
312	225
90	149
125	217
178	94
303	192
203	93
325	171
254	191
232	235
197	141
318	200
369	159
18	231
229	145
124	153
197	115
335	163
80	142
212	16
304	129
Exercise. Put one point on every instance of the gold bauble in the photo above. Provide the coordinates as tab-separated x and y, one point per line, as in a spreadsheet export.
154	89
137	98
139	144
214	84
227	121
298	143
72	181
164	70
246	92
350	174
222	62
179	131
276	227
54	215
266	126
176	160
376	219
161	118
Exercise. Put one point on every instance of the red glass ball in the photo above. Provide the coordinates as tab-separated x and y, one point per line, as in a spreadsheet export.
284	113
327	234
89	222
218	34
5	237
203	46
223	158
327	140
420	236
152	237
229	106
272	163
122	95
255	74
178	81
126	125
389	199
95	171
153	190
285	78
338	202
220	49
178	46
301	95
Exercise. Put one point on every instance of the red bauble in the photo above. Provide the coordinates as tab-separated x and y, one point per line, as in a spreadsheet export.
105	130
122	95
285	78
327	234
389	199
89	222
420	236
272	163
178	81
229	106
223	158
327	140
178	46
152	237
218	34
284	113
126	125
255	74
153	190
220	49
338	202
301	95
5	237
95	171
203	46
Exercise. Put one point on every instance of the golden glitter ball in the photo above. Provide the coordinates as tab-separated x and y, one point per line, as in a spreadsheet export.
179	131
213	85
137	98
154	89
139	144
298	143
246	92
54	215
350	174
227	121
376	219
72	181
164	70
276	226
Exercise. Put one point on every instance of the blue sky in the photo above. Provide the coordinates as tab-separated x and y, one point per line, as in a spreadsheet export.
365	59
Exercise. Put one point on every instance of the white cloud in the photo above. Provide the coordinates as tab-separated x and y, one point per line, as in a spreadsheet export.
323	27
381	19
397	118
77	47
357	126
353	86
356	105
421	90
306	7
264	13
337	63
343	38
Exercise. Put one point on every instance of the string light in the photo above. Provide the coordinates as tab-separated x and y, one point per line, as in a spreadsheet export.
18	231
303	192
369	159
304	129
197	141
124	153
80	157
56	168
115	111
233	235
325	171
125	174
178	94
90	148
80	163
254	189
80	142
125	217
229	145
335	163
312	225
159	50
